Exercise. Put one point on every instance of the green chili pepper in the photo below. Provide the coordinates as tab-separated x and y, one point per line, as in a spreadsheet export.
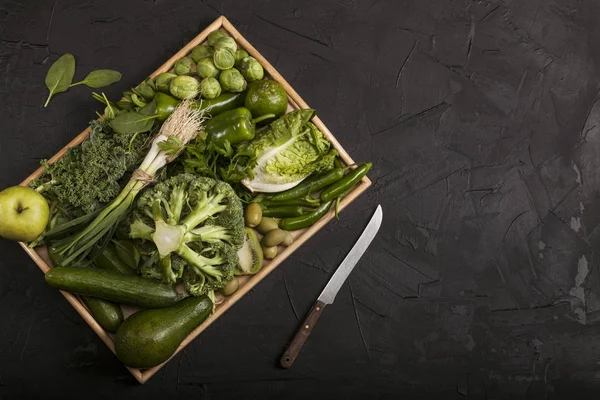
306	220
165	105
224	102
233	126
310	185
109	259
343	185
284	211
306	201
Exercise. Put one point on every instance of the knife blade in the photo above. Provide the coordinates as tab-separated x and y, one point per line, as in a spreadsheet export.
328	294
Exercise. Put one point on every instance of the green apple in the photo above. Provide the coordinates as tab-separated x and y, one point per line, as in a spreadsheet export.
23	213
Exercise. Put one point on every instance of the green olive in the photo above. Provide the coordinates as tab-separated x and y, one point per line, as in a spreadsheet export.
273	238
266	225
269	252
231	287
253	215
289	239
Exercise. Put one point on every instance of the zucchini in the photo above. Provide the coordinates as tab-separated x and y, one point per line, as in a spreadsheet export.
114	286
107	314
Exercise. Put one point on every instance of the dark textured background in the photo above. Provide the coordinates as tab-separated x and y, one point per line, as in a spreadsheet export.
482	121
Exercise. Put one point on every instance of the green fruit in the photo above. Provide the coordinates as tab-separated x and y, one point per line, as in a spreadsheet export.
253	215
148	338
250	255
23	213
266	97
231	287
267	224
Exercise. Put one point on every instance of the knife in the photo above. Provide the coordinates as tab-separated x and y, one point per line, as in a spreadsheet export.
332	288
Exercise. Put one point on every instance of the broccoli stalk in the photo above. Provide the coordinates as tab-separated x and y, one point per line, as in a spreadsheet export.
196	232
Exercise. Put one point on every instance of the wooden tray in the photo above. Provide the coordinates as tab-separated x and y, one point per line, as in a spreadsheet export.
40	255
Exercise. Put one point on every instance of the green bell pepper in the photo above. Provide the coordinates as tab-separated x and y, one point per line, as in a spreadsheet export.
234	126
165	105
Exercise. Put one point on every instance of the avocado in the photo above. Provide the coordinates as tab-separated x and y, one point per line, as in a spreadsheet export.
149	337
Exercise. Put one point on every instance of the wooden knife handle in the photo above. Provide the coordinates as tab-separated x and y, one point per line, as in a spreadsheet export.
309	323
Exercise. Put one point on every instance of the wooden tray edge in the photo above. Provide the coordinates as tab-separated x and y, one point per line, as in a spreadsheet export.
142	376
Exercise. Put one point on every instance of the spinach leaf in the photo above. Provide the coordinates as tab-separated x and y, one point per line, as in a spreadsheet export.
60	75
149	109
132	122
100	78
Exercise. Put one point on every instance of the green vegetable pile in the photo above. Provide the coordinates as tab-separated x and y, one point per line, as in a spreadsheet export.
191	179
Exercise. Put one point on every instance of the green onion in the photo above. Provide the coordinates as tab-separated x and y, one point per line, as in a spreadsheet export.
182	126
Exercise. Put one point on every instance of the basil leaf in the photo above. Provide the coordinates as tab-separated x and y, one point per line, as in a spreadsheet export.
60	75
100	78
132	122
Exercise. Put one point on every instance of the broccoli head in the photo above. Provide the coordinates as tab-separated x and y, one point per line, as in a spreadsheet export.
191	228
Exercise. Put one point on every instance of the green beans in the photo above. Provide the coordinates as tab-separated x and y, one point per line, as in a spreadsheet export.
343	185
306	220
310	185
284	211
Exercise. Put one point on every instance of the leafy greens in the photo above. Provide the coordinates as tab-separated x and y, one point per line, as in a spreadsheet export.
286	152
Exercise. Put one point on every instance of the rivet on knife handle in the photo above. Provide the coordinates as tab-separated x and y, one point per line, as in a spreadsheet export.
301	336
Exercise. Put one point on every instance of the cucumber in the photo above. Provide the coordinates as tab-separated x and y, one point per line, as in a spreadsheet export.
108	315
148	338
114	286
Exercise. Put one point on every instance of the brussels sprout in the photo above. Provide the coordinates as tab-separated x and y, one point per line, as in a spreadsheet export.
163	80
184	87
144	91
223	59
214	36
232	80
185	66
227	43
251	69
200	52
206	68
239	56
210	88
